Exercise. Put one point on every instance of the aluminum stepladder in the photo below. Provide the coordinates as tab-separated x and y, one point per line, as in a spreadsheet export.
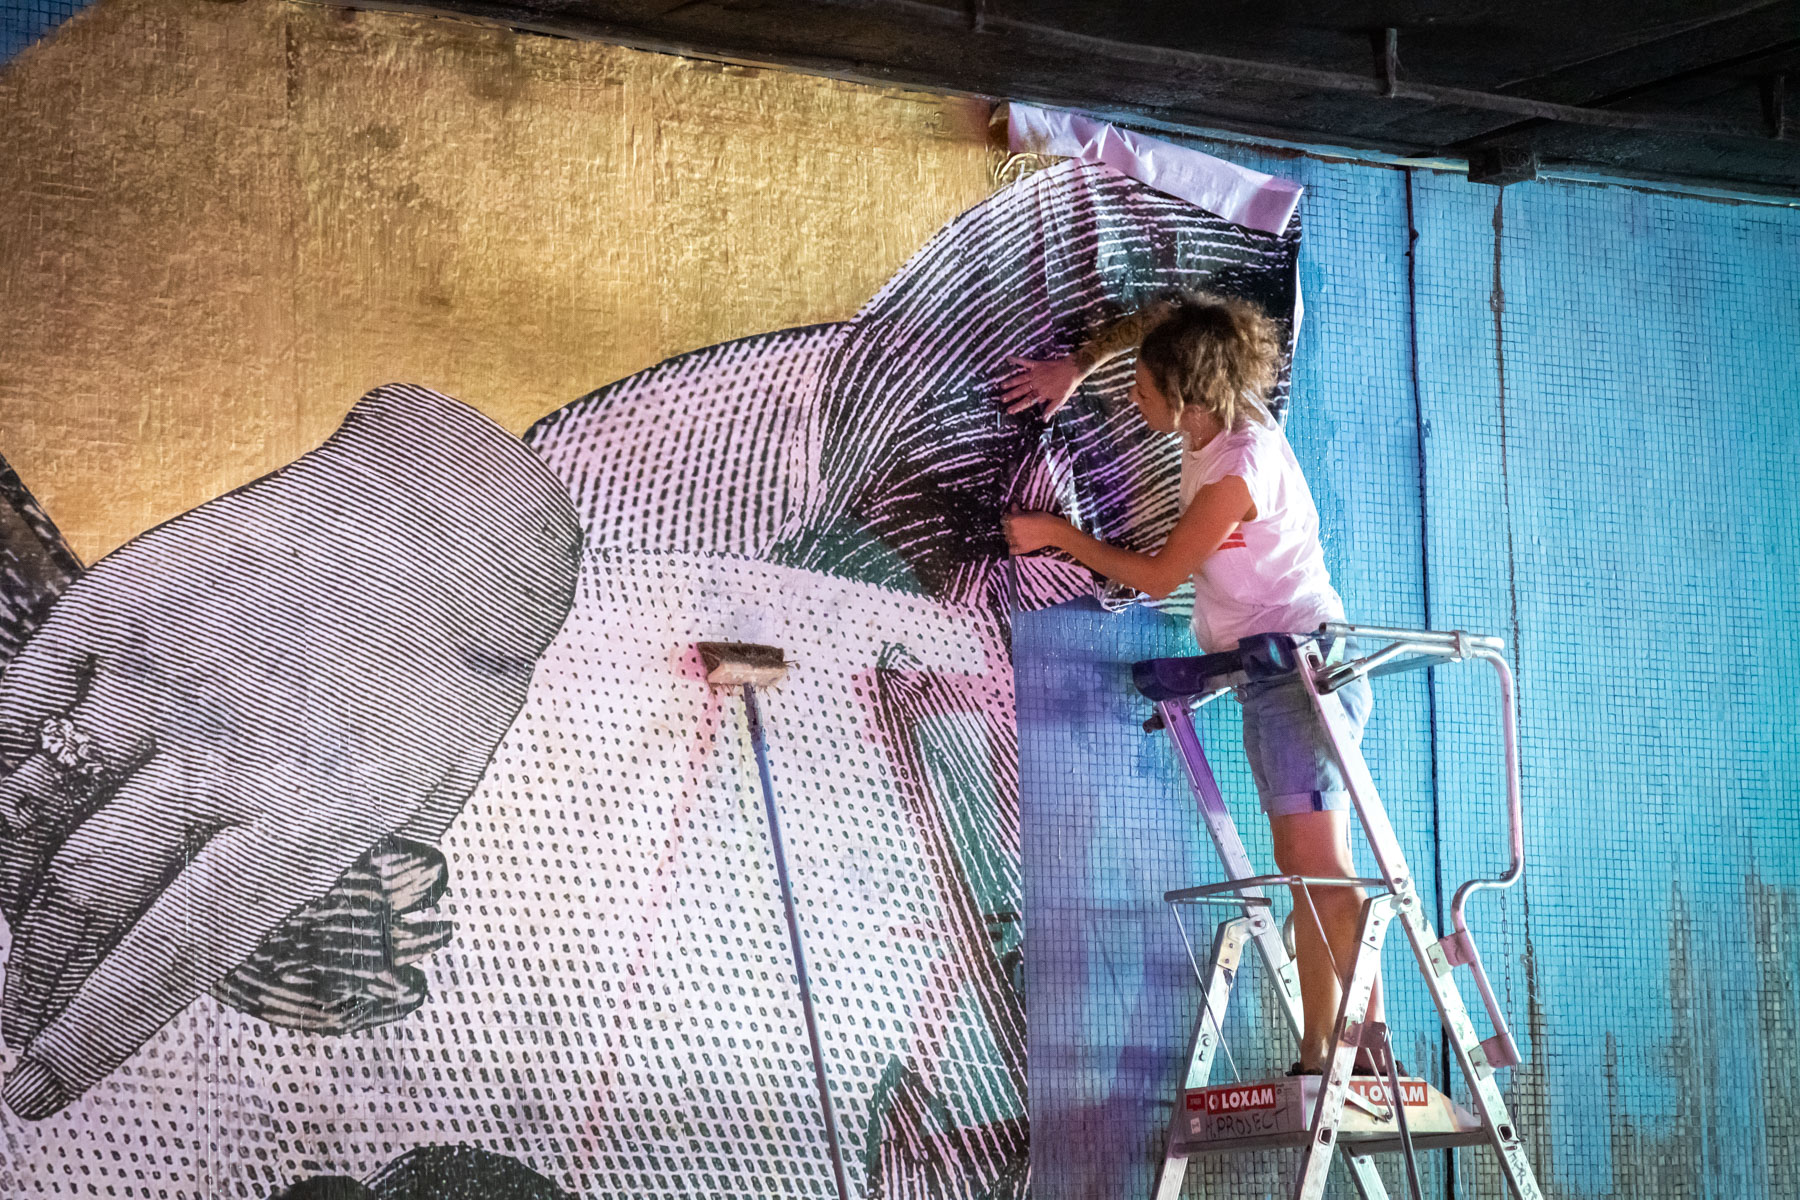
1319	1114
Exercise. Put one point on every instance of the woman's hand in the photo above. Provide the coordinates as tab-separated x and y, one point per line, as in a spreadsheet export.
1026	532
1049	382
225	715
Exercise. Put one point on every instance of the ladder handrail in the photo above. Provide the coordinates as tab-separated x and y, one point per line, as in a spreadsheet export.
1423	646
1515	805
1508	1049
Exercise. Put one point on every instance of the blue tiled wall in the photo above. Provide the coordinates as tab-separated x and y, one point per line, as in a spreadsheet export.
1585	442
23	22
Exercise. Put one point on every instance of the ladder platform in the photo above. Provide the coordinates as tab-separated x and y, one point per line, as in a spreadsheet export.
1277	1113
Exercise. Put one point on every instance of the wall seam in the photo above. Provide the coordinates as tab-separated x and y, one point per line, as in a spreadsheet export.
1419	433
1535	1028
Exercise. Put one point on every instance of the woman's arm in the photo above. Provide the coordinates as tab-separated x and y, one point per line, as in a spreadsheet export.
1215	511
1052	381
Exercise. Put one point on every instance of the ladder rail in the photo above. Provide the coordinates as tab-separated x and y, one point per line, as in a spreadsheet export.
1417	648
1468	1050
1505	1050
1424	647
1515	803
1178	722
1233	856
1346	1040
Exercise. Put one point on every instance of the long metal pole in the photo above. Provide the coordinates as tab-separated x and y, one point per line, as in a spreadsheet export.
758	744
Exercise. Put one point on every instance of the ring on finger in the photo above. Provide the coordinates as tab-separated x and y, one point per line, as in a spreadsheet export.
71	747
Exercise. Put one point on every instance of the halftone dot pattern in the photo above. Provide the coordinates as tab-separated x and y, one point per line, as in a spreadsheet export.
23	22
618	1010
1599	471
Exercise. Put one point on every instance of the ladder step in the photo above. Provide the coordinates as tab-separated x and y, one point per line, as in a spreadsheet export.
1389	1144
1228	1118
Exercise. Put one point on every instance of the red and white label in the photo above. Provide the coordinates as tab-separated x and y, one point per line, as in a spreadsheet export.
1233	1099
1413	1092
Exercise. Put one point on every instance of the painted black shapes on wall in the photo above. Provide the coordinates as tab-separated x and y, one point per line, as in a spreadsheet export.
227	713
348	960
434	1173
36	565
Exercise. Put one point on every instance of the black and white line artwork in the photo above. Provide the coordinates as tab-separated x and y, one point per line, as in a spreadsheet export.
222	717
381	806
433	1173
36	565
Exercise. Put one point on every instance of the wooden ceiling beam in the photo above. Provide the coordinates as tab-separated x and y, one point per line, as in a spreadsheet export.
976	47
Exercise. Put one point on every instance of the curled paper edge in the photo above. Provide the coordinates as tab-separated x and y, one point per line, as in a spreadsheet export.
1240	195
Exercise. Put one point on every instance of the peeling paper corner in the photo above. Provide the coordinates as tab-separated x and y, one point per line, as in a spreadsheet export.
1238	194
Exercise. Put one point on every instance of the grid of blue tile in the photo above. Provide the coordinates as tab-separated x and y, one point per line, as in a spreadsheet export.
23	22
1571	420
1648	411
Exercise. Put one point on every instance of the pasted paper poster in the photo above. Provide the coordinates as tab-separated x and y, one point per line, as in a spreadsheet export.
375	820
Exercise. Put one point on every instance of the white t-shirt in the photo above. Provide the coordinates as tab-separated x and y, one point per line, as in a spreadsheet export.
1269	576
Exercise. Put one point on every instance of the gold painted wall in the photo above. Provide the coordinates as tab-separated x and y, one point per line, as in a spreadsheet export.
227	221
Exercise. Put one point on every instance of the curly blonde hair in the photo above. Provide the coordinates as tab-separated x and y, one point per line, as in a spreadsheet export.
1215	353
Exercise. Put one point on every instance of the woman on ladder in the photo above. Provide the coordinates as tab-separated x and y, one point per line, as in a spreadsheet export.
1248	537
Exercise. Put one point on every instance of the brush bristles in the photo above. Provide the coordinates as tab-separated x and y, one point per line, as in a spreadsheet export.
733	664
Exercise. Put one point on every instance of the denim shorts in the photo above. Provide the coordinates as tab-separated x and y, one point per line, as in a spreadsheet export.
1289	755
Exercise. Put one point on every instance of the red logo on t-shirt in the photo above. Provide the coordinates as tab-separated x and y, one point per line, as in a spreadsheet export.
1235	540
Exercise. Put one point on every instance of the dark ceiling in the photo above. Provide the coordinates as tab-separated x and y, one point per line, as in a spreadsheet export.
1660	89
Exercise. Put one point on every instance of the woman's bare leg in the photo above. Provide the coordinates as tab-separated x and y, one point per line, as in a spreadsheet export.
1318	843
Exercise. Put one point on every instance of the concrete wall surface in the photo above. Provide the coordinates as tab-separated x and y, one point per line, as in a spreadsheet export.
306	202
